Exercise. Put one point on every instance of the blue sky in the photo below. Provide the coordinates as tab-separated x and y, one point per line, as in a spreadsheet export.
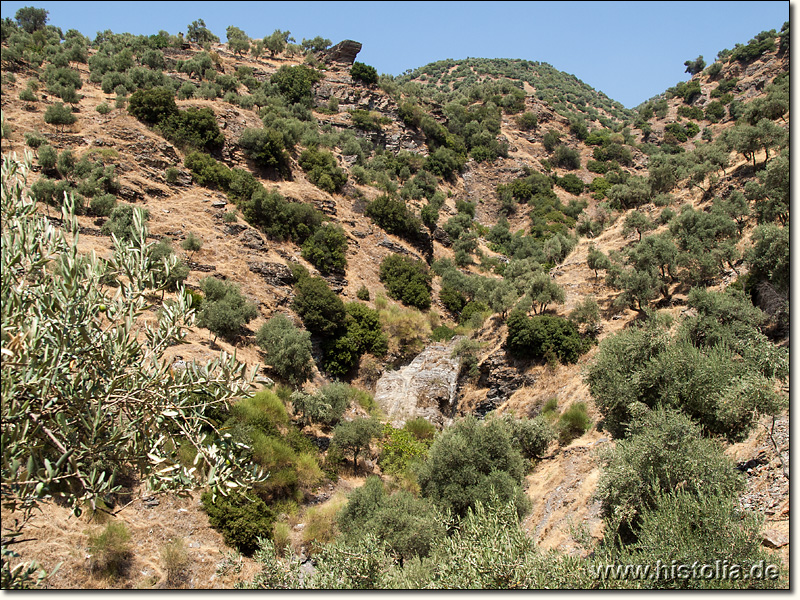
631	51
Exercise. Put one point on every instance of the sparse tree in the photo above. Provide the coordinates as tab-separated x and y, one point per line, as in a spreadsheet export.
238	41
356	435
31	19
695	66
192	243
59	114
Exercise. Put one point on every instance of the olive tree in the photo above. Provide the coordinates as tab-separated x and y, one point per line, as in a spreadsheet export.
87	392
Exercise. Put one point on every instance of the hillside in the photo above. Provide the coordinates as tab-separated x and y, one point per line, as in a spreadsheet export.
500	205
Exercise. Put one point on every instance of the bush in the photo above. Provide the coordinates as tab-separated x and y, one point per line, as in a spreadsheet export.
266	148
363	293
224	310
531	436
407	280
393	216
664	452
326	249
567	158
364	73
120	222
152	106
193	128
102	205
355	436
544	337
110	550
571	183
59	114
321	310
468	462
573	423
208	172
288	349
321	169
240	519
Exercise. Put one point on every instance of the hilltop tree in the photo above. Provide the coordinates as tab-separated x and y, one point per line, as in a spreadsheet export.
197	32
364	73
31	19
238	41
276	42
695	66
317	44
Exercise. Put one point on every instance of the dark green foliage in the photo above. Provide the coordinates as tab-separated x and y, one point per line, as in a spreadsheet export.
321	310
691	112
326	249
544	337
102	205
355	436
531	436
763	42
266	148
59	114
527	121
567	158
453	299
471	460
295	83
664	451
363	293
364	73
409	526
571	183
393	216
551	139
194	129
288	349
362	334
406	280
321	169
444	162
31	19
224	310
693	67
769	258
197	32
240	519
152	106
208	172
120	222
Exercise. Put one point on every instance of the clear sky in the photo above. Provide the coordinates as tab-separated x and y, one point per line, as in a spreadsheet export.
631	51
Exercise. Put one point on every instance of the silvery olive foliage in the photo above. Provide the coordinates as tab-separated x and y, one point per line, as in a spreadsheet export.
86	393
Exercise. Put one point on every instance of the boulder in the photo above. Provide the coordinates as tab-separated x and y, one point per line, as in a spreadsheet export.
344	52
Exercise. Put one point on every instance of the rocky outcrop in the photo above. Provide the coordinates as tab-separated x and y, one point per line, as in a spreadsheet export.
424	388
344	52
501	379
274	274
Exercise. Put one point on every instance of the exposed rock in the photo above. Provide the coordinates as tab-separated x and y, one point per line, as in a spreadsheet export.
773	539
337	283
275	274
344	52
424	388
440	235
502	380
250	238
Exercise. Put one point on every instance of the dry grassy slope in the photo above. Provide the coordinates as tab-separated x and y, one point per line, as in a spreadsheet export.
560	487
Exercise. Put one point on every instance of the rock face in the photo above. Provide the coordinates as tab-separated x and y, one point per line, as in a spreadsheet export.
343	52
424	388
501	379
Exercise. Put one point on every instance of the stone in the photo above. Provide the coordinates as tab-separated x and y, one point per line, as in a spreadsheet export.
424	388
344	52
773	539
275	274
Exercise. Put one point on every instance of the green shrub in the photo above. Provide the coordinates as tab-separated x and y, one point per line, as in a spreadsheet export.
544	337
152	106
664	451
194	129
363	293
59	115
406	280
288	349
571	183
364	73
240	519
321	169
531	436
354	436
224	310
470	461
34	140
110	550
103	108
266	147
326	249
321	310
572	423
393	216
295	83
362	334
120	222
102	205
208	172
